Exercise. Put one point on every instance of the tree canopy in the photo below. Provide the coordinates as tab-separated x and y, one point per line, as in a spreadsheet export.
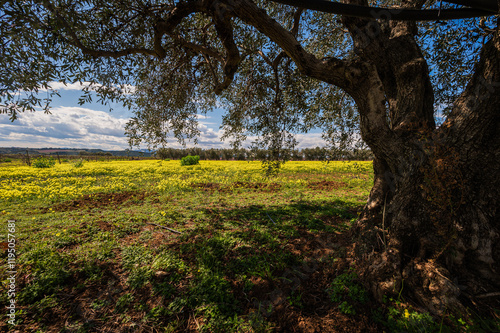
265	63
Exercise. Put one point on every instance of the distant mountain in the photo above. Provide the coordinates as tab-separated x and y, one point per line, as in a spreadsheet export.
73	151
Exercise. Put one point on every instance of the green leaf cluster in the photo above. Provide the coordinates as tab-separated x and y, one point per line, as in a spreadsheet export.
190	160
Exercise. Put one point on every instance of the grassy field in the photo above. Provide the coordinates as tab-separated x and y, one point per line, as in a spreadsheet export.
153	246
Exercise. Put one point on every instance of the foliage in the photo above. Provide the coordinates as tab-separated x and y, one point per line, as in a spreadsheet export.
43	162
168	73
241	154
49	272
270	98
78	163
404	320
190	160
163	154
348	292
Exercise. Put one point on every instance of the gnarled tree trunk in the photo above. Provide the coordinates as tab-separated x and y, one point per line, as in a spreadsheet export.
431	224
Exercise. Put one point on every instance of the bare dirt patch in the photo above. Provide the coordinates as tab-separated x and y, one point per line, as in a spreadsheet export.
297	300
105	226
264	187
89	201
208	187
326	185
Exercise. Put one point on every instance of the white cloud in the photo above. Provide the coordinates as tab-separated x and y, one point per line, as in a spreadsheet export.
310	140
66	127
69	86
78	127
55	85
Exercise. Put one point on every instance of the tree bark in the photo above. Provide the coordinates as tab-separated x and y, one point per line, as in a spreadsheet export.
431	223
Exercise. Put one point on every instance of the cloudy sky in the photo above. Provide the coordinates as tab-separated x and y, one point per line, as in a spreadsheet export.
94	126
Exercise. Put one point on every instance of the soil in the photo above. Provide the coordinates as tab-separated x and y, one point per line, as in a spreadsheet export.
326	185
97	200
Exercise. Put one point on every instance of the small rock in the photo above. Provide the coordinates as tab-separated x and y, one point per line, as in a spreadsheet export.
160	274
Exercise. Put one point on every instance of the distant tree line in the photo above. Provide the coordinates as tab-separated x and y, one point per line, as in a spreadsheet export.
305	154
99	153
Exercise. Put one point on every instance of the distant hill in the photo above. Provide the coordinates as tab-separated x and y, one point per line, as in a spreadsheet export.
73	151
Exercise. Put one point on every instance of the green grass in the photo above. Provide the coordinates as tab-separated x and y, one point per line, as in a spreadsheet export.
244	259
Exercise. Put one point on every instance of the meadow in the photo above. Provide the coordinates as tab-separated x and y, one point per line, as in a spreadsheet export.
153	246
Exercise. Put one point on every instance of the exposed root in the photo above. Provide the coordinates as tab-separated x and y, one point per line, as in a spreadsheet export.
431	286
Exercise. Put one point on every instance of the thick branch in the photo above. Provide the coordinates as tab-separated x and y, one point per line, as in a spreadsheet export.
198	48
477	110
330	70
225	32
400	63
296	21
162	27
181	11
358	78
392	14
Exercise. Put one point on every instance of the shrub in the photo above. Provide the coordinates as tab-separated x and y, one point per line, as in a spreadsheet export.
78	164
7	160
190	160
43	162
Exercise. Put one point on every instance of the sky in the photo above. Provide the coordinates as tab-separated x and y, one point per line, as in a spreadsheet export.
93	126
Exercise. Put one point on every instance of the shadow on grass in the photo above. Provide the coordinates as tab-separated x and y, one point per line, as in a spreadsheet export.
240	268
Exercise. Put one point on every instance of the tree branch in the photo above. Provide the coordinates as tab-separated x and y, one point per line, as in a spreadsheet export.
366	11
198	48
351	76
330	70
400	63
296	21
212	70
225	32
476	113
162	27
75	41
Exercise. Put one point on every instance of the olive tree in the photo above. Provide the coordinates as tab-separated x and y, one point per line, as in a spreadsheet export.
424	97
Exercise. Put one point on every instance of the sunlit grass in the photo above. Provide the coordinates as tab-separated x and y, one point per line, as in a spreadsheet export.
64	181
90	237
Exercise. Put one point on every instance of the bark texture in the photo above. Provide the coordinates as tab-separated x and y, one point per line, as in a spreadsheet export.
441	191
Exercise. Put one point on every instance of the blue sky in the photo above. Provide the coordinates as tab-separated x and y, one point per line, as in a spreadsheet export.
94	126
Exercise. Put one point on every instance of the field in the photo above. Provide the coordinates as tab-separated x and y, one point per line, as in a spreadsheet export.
153	246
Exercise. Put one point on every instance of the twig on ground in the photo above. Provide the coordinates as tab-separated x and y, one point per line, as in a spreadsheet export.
161	226
270	218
